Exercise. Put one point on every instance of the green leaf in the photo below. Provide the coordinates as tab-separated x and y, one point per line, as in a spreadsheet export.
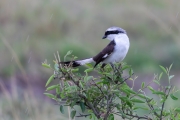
137	101
160	75
173	97
125	91
108	74
87	78
118	107
62	95
156	110
142	85
129	103
115	91
93	116
57	90
123	98
75	57
73	113
68	53
140	108
52	87
158	93
125	67
163	99
72	104
50	95
61	109
143	96
88	70
111	117
46	65
177	110
130	91
170	77
168	87
157	82
130	71
75	70
82	106
81	84
170	66
150	88
152	102
165	113
49	80
89	65
164	69
56	67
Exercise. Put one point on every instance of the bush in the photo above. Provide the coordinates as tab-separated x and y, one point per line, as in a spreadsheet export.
104	95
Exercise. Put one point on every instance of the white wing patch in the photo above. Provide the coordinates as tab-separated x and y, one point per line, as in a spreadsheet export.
85	61
105	56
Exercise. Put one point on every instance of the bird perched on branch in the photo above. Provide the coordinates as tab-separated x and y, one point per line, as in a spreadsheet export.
115	51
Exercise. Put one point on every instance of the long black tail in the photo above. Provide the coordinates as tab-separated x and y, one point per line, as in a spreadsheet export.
77	62
71	63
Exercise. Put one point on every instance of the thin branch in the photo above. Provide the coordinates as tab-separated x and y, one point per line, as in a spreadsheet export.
125	79
138	117
152	108
90	105
135	116
122	81
109	102
98	87
81	115
141	89
161	115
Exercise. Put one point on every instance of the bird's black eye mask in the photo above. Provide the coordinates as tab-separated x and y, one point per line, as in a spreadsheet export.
112	32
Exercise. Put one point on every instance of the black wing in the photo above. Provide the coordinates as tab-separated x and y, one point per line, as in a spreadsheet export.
104	53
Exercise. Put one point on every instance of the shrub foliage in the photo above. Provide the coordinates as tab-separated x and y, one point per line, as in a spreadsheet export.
105	93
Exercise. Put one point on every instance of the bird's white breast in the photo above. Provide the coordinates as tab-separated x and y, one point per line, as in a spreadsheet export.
120	50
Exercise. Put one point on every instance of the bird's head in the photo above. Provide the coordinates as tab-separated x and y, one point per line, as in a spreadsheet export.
112	32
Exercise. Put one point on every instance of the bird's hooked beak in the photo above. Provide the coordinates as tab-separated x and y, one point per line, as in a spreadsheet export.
104	37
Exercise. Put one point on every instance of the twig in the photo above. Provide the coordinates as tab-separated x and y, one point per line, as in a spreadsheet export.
90	105
152	108
161	115
135	116
109	102
125	79
141	89
98	87
81	115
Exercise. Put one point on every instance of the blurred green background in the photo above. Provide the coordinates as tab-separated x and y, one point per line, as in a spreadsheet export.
33	30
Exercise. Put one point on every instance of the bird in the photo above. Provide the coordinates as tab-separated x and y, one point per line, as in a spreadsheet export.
114	52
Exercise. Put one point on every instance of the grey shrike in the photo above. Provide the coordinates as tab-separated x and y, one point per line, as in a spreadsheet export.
115	51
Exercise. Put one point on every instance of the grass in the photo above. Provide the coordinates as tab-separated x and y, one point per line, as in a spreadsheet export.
22	104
